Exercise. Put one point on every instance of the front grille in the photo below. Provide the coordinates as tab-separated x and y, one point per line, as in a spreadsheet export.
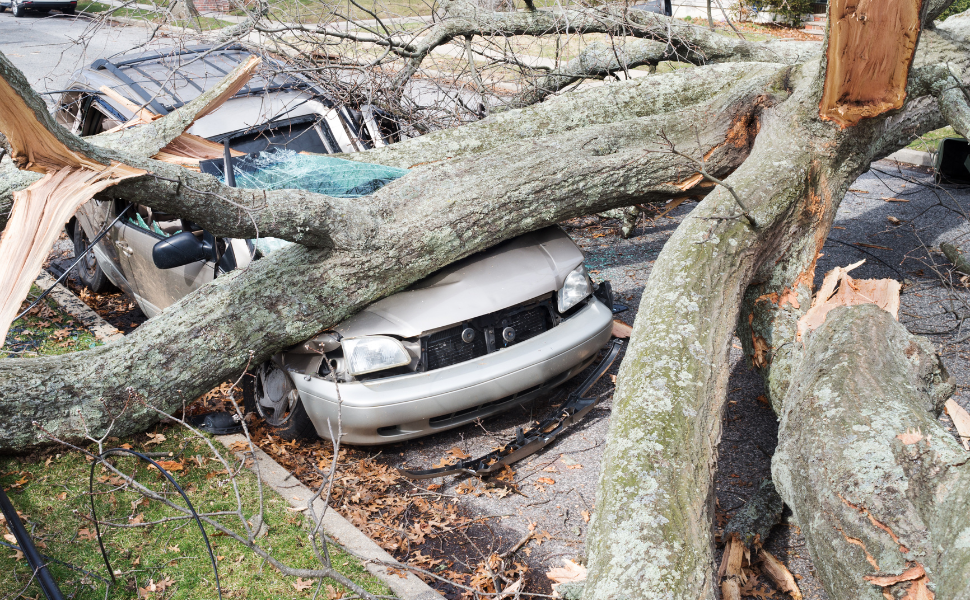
446	348
530	323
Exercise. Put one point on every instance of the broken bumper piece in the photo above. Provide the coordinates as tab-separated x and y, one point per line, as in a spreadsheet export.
536	438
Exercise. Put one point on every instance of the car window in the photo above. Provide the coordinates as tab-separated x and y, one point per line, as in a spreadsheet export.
161	224
301	137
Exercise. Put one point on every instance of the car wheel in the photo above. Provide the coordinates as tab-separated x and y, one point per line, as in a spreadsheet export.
17	9
269	393
88	270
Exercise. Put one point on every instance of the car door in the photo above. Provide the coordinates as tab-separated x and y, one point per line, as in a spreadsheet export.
157	289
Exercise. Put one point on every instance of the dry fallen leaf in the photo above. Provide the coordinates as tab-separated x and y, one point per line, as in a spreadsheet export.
171	465
569	573
459	453
154	588
155	438
546	481
302	585
586	516
910	437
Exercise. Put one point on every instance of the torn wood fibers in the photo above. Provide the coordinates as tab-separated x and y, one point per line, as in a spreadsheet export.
838	289
870	50
40	211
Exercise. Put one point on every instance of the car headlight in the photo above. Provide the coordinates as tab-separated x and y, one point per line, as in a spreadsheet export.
575	289
373	353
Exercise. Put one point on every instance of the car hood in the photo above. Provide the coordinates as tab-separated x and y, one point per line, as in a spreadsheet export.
510	273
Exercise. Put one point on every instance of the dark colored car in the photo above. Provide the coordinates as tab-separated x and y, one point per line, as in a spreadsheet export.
19	8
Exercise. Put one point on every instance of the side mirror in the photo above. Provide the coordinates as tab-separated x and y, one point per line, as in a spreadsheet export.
183	249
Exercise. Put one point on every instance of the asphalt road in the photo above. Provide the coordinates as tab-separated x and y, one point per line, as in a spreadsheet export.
48	48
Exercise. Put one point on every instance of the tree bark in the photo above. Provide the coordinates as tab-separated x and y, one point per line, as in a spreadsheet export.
754	126
880	490
438	213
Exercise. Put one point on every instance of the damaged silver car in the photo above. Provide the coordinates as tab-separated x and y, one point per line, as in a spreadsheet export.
481	336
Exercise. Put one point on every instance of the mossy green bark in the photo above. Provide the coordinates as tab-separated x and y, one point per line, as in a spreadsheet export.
873	479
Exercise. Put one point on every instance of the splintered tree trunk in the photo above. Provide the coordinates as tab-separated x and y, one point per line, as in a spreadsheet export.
443	210
880	490
651	533
785	135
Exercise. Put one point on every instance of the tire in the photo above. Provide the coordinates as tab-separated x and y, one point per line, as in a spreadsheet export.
281	408
17	9
88	270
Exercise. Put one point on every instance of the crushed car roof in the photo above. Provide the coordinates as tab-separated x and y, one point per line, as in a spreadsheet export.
171	78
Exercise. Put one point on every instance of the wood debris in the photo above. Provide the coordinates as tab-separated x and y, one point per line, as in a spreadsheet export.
621	330
961	420
74	173
778	574
838	289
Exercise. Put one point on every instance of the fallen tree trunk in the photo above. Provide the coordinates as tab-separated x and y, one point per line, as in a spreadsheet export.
880	490
436	214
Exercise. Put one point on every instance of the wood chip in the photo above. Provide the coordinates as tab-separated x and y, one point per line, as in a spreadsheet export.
730	590
733	559
778	573
961	420
621	330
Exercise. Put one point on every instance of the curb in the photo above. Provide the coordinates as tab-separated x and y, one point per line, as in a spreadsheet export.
72	305
914	157
407	587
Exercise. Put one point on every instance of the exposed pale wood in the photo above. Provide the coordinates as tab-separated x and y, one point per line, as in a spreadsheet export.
961	420
38	214
32	145
870	50
730	590
142	114
884	293
778	573
621	330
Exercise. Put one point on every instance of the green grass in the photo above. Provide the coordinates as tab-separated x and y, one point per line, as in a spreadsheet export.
45	331
205	23
930	142
50	491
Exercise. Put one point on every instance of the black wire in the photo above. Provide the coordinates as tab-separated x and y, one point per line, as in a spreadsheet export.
44	578
75	263
171	480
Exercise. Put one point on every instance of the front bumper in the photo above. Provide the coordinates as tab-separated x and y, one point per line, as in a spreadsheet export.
409	406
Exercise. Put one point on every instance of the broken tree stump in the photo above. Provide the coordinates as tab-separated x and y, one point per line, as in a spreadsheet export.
880	490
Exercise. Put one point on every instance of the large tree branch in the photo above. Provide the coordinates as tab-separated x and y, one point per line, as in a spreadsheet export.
873	479
437	214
